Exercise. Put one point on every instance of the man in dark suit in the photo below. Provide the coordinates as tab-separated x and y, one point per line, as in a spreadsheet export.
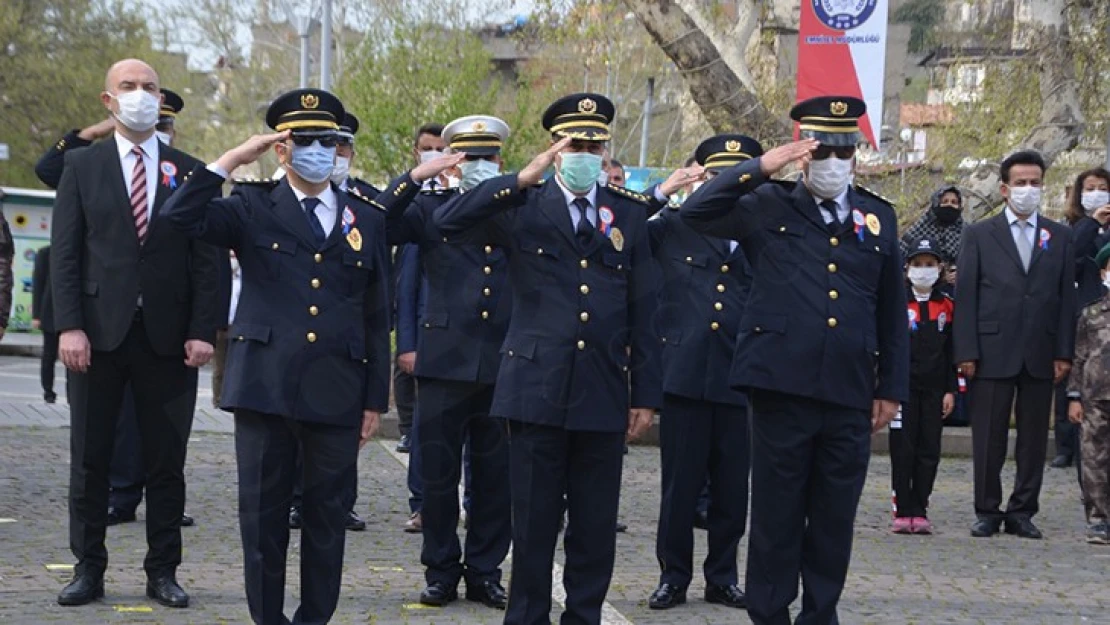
134	302
464	322
822	349
409	299
704	424
1014	331
42	318
584	291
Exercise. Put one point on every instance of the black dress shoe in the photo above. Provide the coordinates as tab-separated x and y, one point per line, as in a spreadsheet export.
984	529
165	590
488	593
187	521
83	588
295	521
354	523
701	520
621	527
667	596
117	516
404	445
731	596
50	397
438	594
1061	461
1024	528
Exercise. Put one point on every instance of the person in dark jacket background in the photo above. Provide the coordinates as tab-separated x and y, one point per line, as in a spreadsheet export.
42	318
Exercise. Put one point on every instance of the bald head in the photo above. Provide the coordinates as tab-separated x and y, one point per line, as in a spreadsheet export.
130	74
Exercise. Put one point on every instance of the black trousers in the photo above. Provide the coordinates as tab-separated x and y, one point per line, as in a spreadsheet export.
809	463
915	451
46	365
165	396
265	448
350	497
1067	433
991	403
544	464
699	438
125	475
448	413
404	397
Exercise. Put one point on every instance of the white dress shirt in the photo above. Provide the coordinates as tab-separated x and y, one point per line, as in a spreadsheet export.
591	212
236	288
325	210
842	208
1030	233
150	161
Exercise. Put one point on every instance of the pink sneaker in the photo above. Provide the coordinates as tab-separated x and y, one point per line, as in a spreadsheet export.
921	525
902	525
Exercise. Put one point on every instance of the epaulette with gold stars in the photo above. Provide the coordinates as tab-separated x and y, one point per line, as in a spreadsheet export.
261	182
870	193
632	195
358	195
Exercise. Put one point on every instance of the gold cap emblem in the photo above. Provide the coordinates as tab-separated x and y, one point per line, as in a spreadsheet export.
732	145
310	101
838	108
479	126
586	105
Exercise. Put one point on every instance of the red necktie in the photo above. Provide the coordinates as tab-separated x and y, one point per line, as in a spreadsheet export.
138	194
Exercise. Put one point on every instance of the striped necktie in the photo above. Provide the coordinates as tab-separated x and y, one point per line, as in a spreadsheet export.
138	195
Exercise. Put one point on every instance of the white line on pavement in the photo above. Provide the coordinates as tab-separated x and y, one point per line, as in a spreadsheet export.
609	614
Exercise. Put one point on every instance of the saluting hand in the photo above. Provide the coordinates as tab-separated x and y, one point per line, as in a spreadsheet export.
639	420
435	167
680	178
532	174
370	422
249	151
776	158
883	412
98	130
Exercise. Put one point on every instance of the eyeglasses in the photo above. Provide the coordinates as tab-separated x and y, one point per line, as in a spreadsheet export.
344	141
327	139
844	152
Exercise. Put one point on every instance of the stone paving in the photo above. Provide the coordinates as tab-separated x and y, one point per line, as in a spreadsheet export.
946	578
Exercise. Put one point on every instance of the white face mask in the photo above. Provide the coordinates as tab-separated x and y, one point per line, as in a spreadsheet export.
828	178
428	155
1092	200
923	277
138	110
164	137
1024	201
341	169
603	178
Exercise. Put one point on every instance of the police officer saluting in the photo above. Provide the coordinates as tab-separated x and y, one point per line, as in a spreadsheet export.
465	318
704	424
822	348
584	291
308	363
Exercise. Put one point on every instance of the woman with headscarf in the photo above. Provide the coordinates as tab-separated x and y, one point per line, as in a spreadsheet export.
943	223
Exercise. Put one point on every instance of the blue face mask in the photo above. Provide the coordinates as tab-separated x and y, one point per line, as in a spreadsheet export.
579	171
313	163
476	172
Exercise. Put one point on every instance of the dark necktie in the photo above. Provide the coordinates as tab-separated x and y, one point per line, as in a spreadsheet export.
583	232
310	204
835	225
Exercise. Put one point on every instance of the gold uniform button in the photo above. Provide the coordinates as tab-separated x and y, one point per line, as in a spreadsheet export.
689	259
832	267
315	283
834	241
584	289
584	316
782	228
239	338
485	314
487	270
274	246
720	288
581	345
718	306
311	336
539	250
358	263
489	250
486	291
319	258
312	310
724	268
714	326
832	322
833	294
583	263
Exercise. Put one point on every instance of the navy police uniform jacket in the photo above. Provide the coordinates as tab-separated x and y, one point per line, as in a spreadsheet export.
409	297
310	339
826	318
705	289
53	162
467	304
580	348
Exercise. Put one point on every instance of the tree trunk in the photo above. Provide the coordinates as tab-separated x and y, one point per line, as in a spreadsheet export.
716	80
1061	121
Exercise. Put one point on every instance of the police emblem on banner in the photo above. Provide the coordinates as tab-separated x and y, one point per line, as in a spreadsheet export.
843	14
